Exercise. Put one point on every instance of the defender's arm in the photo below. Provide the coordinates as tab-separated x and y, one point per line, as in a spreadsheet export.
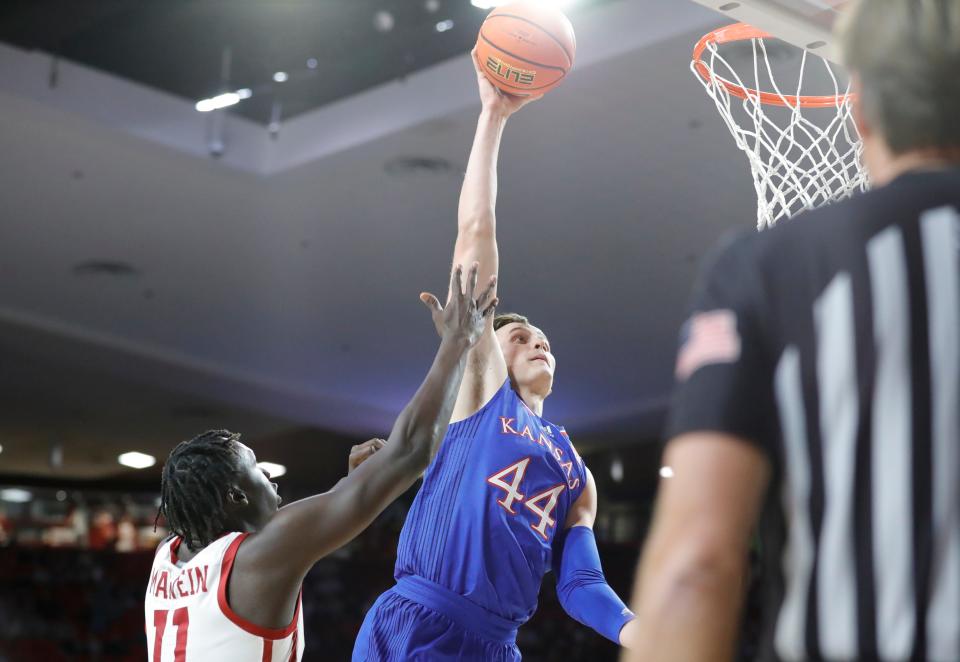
298	535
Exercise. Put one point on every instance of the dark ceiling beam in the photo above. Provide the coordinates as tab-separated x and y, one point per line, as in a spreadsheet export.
47	24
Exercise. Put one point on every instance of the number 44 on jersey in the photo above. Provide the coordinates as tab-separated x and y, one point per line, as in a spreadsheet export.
542	504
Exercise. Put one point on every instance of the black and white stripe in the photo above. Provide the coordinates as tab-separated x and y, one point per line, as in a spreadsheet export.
869	410
890	461
940	232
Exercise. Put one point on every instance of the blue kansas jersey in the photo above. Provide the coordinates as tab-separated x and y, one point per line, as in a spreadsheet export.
484	521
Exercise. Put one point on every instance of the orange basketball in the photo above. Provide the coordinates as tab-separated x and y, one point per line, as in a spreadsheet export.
526	48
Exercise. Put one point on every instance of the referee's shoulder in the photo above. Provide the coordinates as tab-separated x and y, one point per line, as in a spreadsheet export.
808	229
811	225
788	244
734	250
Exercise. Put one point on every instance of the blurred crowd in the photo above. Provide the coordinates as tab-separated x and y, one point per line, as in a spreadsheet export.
99	521
79	597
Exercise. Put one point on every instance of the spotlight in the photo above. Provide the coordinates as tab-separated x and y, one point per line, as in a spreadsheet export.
383	21
136	460
443	26
275	470
217	102
490	4
312	63
15	495
245	93
616	470
280	77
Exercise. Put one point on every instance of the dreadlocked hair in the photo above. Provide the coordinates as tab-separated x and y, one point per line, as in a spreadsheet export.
195	478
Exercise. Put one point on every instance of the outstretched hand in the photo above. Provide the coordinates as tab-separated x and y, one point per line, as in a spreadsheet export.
493	99
465	317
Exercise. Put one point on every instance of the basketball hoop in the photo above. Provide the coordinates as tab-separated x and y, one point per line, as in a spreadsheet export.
797	163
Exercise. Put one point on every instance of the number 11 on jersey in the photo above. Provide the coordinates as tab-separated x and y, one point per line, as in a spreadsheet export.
181	619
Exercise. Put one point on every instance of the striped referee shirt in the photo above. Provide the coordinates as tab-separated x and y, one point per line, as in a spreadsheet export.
831	342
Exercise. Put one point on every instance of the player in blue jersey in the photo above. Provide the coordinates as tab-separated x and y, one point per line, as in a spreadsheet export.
507	498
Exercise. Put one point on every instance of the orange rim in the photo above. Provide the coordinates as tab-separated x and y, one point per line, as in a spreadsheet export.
744	32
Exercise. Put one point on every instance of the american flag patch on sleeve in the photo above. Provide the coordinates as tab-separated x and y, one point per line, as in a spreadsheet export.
707	338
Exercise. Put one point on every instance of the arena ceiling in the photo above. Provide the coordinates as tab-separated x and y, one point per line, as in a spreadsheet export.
330	49
152	286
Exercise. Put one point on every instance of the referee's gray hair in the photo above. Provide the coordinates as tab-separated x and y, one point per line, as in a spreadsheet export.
907	55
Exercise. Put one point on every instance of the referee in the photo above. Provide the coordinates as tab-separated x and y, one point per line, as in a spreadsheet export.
819	394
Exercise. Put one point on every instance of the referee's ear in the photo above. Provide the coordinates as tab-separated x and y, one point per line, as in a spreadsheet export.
860	118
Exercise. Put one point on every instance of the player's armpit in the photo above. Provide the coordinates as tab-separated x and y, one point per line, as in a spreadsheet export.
583	512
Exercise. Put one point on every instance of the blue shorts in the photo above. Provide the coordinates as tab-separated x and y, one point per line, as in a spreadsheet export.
399	626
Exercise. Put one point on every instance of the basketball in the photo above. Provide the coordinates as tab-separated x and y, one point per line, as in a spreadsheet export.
526	48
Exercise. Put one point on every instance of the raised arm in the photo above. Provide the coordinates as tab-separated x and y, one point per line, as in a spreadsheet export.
303	532
477	236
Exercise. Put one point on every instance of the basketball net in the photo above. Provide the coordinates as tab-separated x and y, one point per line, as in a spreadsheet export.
796	163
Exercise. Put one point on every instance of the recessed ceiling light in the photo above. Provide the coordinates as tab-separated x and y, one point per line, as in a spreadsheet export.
136	460
312	63
383	21
15	495
616	470
275	470
114	268
443	26
666	472
407	165
216	103
490	4
280	77
224	100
